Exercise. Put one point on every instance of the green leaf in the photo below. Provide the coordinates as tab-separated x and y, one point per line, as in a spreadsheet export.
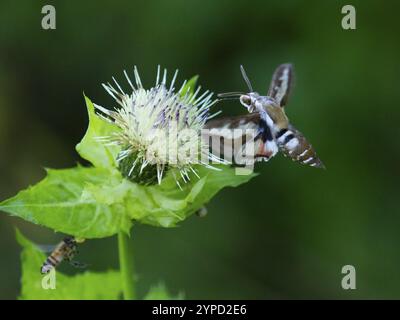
96	203
93	150
84	286
84	202
160	292
189	86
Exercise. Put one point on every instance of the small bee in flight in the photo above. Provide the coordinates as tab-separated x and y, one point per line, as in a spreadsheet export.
65	250
272	129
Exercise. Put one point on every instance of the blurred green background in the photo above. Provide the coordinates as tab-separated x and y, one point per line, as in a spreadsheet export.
288	232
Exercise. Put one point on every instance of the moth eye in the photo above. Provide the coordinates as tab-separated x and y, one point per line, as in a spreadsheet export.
245	100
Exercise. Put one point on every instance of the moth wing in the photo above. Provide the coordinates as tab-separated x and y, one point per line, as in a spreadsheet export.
242	139
264	150
227	136
281	83
294	145
250	120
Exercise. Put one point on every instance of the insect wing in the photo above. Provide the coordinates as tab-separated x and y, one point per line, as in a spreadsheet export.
248	136
47	248
228	137
281	84
263	151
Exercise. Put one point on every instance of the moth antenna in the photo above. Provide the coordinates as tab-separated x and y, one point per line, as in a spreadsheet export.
230	94
246	78
227	98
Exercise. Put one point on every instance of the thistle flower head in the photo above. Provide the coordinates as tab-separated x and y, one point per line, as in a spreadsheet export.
160	129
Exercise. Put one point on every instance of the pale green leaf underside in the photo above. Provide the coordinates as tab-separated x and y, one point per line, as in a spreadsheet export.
84	286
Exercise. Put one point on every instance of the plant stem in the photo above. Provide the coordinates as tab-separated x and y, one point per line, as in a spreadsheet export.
126	266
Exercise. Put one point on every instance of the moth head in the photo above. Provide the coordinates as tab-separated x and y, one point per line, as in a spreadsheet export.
248	100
